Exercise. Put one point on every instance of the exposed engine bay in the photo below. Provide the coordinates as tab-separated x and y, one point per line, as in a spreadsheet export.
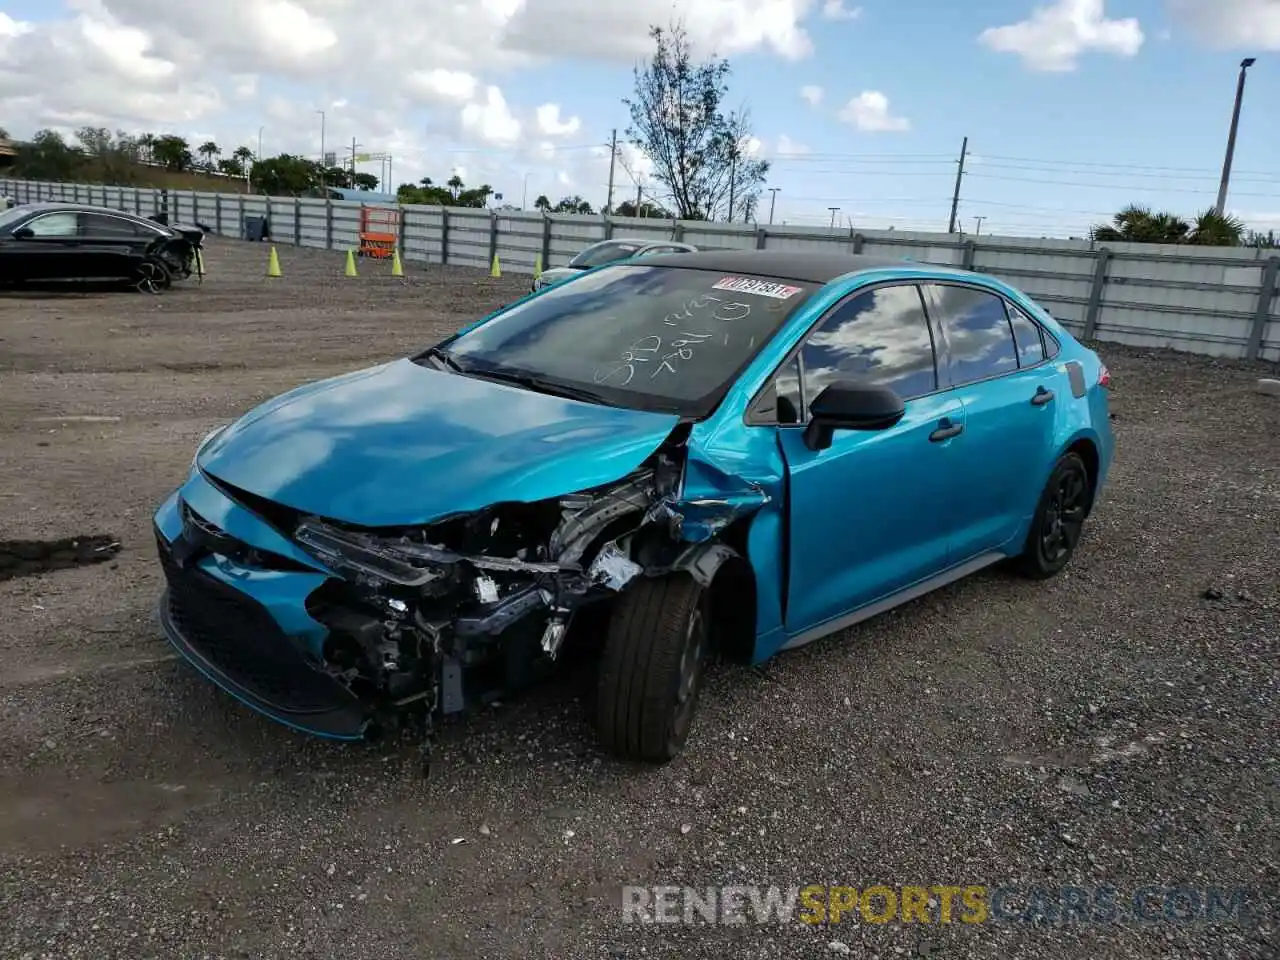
427	620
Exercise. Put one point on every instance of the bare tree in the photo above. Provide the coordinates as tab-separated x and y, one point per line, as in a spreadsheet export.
699	152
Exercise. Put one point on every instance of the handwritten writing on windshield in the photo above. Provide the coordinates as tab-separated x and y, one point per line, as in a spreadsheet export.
655	356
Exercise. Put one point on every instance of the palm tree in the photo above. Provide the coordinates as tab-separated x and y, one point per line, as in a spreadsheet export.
1138	224
455	184
209	150
1213	229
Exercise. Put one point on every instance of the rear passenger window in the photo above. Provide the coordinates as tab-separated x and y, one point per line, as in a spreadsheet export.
881	336
978	333
1026	335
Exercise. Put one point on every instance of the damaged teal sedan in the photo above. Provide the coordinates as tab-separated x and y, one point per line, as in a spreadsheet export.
729	453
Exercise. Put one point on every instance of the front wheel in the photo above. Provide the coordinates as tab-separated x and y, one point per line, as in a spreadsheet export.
152	276
651	671
1059	519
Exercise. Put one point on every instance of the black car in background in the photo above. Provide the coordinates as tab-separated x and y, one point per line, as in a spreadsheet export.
42	242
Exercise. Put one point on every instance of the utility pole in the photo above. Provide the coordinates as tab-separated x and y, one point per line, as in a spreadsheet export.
978	230
613	158
1221	205
639	198
773	196
322	167
955	196
353	158
834	211
733	178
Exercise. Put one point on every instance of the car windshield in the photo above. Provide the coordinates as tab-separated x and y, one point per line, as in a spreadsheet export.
606	252
644	337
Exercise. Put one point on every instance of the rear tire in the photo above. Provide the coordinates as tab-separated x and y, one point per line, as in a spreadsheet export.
1059	519
651	671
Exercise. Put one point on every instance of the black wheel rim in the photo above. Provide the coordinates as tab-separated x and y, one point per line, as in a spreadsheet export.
149	278
1063	516
692	657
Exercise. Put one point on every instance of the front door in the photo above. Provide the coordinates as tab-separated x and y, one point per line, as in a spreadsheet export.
868	515
110	246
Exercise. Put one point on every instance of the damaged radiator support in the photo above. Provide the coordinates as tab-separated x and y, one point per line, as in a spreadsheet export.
415	610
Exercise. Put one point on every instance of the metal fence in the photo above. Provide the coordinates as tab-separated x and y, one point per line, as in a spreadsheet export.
1221	301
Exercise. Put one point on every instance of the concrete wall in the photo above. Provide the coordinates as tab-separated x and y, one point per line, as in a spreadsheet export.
1221	301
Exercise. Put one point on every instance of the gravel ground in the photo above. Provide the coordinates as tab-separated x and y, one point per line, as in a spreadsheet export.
1115	725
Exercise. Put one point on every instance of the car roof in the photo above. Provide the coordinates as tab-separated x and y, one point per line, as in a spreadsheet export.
46	206
806	267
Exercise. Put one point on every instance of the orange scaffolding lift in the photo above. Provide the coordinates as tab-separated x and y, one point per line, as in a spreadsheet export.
379	231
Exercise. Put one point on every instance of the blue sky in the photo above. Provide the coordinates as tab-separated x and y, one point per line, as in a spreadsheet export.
1142	116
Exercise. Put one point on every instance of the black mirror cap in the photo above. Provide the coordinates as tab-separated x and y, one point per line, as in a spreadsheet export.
24	233
858	406
848	405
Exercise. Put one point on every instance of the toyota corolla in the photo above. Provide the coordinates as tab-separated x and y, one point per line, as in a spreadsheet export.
716	453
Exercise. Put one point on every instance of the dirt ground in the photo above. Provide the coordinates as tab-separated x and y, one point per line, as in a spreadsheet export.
1114	725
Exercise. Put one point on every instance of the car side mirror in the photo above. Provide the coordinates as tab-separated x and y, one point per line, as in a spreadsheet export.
848	405
24	233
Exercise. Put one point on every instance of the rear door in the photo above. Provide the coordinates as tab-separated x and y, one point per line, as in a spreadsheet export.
867	516
1008	393
52	249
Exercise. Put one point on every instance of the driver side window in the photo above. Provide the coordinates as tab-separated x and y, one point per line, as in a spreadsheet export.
881	336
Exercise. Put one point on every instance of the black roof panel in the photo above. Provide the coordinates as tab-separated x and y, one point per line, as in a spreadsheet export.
807	267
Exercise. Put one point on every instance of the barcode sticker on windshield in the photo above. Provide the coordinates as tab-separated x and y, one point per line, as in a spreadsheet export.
761	288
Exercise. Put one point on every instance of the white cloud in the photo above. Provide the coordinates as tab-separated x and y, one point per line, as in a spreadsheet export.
618	31
1053	37
10	27
869	112
811	93
786	147
441	86
1251	24
491	121
836	10
550	123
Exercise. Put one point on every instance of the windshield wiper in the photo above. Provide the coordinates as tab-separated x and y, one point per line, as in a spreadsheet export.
543	385
444	357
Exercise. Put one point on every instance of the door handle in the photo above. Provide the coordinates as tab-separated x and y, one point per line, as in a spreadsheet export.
1042	397
946	430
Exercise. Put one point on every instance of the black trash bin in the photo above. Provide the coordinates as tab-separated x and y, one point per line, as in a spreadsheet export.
257	228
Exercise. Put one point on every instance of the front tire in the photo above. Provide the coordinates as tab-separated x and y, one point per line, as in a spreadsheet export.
651	671
1059	519
152	276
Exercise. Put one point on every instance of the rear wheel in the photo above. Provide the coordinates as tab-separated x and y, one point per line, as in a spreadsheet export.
1059	519
152	276
652	667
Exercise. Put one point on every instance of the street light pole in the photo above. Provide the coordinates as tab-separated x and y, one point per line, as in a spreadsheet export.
978	231
773	197
1221	205
834	211
322	164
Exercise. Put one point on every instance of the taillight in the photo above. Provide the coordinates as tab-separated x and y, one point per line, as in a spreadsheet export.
1104	376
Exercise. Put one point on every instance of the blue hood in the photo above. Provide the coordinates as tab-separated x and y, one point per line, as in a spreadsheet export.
405	444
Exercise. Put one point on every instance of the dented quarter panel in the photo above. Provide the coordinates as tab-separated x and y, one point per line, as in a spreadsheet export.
404	444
